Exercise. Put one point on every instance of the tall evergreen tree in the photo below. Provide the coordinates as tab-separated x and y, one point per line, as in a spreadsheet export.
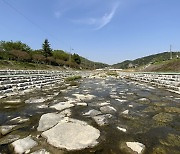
46	48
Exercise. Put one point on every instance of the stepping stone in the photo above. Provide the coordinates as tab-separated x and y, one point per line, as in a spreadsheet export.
6	129
72	135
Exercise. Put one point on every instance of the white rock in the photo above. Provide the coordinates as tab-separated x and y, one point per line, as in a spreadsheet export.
107	109
36	100
84	97
48	121
102	120
81	104
23	145
130	105
6	129
121	100
92	112
136	146
62	105
104	104
72	135
19	120
14	101
122	129
41	151
125	112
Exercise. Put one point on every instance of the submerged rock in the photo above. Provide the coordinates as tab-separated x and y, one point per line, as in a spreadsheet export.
172	109
107	109
9	139
6	129
36	100
102	120
132	147
163	117
72	135
92	113
84	97
19	120
62	105
23	145
171	140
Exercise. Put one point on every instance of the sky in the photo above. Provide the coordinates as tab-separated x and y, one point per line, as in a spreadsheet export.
108	31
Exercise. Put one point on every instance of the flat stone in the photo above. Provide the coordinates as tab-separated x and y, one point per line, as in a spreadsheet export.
62	105
23	145
19	120
136	146
102	120
92	113
41	151
36	100
6	129
9	139
82	97
121	100
107	109
13	101
104	104
72	135
48	121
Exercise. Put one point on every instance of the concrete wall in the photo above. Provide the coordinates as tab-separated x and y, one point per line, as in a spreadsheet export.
14	81
170	81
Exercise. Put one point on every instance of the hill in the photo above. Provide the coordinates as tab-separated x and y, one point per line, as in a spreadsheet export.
156	62
18	55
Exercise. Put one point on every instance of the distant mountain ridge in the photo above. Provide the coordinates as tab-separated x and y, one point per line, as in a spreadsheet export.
147	60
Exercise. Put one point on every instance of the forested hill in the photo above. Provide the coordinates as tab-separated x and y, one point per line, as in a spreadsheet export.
18	53
148	60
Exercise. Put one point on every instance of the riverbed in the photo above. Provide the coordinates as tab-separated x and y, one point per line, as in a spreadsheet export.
139	113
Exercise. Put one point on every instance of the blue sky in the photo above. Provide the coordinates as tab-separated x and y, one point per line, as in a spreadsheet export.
107	31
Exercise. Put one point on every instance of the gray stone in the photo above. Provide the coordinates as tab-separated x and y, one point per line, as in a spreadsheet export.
92	113
41	151
9	139
102	120
48	121
62	105
6	129
22	145
72	135
84	97
36	100
107	109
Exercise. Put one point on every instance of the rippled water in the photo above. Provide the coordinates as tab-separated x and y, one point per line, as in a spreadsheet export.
147	121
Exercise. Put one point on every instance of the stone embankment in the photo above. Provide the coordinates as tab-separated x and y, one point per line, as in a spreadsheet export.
13	82
170	81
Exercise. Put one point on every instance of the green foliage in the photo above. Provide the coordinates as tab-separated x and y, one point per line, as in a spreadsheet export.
112	73
46	48
76	58
60	54
152	59
18	45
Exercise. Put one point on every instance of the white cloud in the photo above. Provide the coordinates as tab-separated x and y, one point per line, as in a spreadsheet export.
99	22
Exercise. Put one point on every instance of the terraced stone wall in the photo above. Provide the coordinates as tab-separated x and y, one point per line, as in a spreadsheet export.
170	81
14	81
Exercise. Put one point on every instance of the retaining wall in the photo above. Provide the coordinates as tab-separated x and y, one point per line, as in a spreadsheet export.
14	81
170	81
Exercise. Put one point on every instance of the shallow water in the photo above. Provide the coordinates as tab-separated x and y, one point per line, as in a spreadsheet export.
155	133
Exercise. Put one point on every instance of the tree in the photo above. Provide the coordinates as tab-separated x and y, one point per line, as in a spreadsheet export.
47	51
76	58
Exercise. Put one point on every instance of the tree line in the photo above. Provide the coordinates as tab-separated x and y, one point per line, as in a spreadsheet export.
19	51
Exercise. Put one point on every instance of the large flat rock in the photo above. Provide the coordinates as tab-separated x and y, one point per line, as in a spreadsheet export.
23	145
72	135
62	105
48	121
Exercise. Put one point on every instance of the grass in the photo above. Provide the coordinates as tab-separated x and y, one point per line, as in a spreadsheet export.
112	73
73	78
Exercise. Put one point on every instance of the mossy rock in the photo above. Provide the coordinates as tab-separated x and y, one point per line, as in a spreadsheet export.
172	109
171	140
159	150
163	117
152	109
